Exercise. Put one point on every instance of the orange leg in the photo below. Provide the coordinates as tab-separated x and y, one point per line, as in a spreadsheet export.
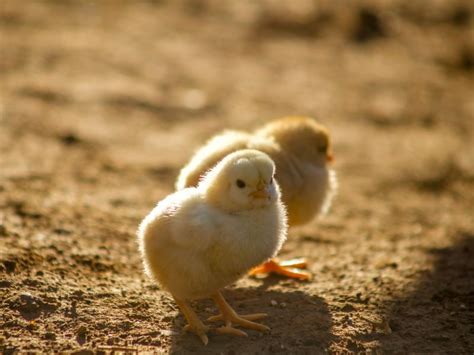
229	316
288	268
194	323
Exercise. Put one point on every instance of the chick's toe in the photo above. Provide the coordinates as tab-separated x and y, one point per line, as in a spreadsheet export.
231	331
200	330
194	323
251	317
229	316
290	268
299	263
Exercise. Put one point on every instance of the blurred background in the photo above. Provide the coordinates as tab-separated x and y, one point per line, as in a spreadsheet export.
102	102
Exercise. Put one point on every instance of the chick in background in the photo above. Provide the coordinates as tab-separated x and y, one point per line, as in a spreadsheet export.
301	149
200	239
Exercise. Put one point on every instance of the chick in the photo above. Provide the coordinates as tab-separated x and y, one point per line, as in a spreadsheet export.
200	239
301	150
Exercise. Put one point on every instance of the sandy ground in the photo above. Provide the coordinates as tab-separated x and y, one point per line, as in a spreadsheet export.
103	102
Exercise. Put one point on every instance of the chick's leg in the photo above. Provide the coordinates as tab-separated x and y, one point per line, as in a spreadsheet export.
194	323
229	316
288	268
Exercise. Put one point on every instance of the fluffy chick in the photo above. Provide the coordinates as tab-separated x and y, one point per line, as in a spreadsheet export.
200	239
301	149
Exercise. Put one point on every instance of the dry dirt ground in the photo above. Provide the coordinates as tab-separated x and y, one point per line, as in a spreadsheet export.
103	102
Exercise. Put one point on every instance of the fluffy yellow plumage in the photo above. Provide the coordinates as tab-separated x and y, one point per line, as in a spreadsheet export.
301	149
200	239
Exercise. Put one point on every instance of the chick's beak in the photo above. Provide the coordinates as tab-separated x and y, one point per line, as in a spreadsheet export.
261	192
329	157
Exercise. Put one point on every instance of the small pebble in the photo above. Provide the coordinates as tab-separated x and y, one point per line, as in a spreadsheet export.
82	330
273	303
50	336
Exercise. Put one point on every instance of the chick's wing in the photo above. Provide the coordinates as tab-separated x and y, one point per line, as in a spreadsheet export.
194	226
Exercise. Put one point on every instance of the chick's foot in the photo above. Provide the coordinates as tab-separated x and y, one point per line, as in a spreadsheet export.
289	268
251	317
229	316
194	323
200	330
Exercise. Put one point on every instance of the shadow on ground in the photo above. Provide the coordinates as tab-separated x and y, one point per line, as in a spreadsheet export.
297	321
438	316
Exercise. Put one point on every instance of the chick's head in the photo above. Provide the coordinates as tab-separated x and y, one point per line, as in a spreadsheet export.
302	137
241	181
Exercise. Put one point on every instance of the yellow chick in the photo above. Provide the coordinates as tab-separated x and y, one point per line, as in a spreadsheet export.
200	239
301	150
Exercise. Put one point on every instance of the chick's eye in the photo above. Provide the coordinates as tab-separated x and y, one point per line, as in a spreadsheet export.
322	149
240	184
